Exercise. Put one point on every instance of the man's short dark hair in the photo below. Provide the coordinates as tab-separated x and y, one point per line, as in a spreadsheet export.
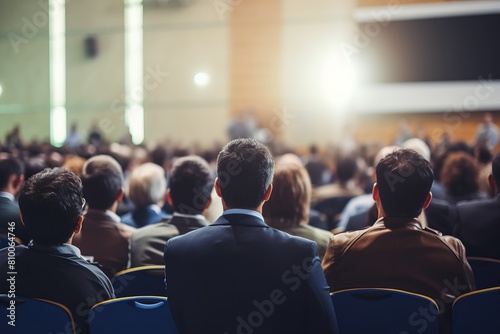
245	170
191	183
8	167
102	180
51	203
404	179
495	169
347	168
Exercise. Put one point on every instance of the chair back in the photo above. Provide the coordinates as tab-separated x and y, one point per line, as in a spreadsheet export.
139	314
477	312
140	281
331	207
31	315
486	272
384	311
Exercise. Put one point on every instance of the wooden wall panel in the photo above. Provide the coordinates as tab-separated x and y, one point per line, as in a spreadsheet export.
255	57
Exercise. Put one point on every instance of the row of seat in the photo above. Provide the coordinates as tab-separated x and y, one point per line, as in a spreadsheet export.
149	280
357	310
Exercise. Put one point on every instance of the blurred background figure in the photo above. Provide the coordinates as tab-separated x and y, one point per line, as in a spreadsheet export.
74	138
487	133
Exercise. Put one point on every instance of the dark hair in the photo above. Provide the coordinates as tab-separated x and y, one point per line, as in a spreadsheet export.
245	171
347	168
8	167
51	203
291	197
102	181
495	169
191	184
404	179
460	175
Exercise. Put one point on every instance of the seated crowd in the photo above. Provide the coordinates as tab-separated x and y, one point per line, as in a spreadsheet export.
242	228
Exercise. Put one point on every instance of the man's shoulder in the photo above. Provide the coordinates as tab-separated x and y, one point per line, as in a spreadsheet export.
155	230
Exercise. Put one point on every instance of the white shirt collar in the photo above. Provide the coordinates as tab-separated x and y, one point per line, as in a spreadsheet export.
7	195
243	212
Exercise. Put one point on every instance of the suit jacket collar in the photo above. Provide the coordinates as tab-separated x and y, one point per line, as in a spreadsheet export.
398	222
9	196
188	220
240	220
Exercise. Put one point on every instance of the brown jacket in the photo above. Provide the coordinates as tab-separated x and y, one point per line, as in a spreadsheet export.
399	255
106	239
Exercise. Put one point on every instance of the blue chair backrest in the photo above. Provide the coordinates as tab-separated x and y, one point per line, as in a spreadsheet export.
140	314
477	312
140	281
384	311
30	315
486	272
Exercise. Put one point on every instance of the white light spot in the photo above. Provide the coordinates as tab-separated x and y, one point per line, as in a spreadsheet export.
201	79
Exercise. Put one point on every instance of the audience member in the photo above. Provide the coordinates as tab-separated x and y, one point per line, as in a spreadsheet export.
318	171
147	187
487	133
396	252
239	266
345	184
363	203
50	267
74	163
189	193
484	157
459	177
478	221
288	207
11	180
103	236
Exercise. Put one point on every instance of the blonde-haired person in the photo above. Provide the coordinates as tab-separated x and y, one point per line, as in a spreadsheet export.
288	207
147	187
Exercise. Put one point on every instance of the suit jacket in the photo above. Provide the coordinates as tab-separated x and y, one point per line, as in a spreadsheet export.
239	275
106	239
60	274
478	226
399	255
140	217
9	212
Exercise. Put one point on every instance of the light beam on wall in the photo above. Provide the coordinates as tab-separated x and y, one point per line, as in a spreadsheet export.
57	76
134	87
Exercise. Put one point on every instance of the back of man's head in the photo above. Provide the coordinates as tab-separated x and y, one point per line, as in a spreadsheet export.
347	168
495	170
245	170
9	167
51	203
102	180
147	184
404	179
191	183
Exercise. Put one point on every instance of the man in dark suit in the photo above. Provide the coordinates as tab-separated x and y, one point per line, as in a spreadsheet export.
396	252
478	223
11	180
191	184
239	275
50	267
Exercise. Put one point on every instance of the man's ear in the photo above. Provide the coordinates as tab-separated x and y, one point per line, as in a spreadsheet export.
427	201
375	193
492	183
169	198
269	190
21	216
217	187
120	196
79	225
18	181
